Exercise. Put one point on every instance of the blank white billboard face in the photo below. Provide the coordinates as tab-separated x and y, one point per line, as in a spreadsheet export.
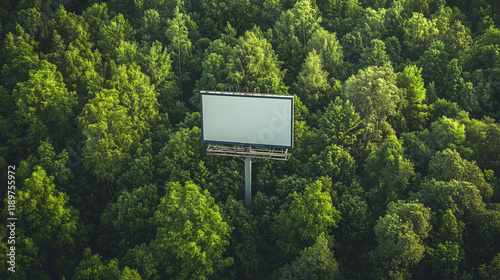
247	120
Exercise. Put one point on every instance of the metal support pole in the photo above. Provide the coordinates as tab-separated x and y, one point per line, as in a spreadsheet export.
248	182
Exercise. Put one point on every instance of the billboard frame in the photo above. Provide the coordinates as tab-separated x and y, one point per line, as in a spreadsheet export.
248	95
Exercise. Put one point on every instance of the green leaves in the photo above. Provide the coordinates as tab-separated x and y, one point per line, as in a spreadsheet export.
389	174
180	44
339	124
45	104
334	162
111	35
328	47
310	213
389	97
91	267
302	20
191	237
254	64
492	270
420	32
183	159
447	255
447	258
109	134
414	109
115	120
447	165
462	198
375	95
399	236
136	95
374	55
21	58
315	262
132	217
312	83
291	33
45	210
51	229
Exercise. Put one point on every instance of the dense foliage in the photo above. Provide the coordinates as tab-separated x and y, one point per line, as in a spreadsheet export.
394	172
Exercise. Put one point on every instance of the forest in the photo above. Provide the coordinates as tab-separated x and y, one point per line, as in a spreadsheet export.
394	172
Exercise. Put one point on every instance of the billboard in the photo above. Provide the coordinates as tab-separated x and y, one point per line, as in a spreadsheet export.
248	119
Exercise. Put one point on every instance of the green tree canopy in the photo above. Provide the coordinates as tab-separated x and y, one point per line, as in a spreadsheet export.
20	57
136	95
335	162
388	174
399	236
328	47
291	33
420	32
414	109
448	133
447	256
52	228
109	135
182	158
191	237
462	198
44	103
309	214
131	217
254	64
180	44
375	54
492	270
447	165
457	90
339	125
312	83
315	262
92	267
375	95
433	63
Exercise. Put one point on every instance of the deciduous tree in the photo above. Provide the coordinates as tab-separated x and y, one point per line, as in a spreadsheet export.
45	104
310	214
292	31
136	95
414	109
20	57
400	234
374	55
180	45
492	270
131	218
53	226
388	174
315	262
462	198
339	125
420	32
109	135
182	158
192	237
447	165
328	47
254	64
375	95
312	83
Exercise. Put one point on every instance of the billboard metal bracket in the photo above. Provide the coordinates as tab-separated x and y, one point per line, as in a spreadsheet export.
248	152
